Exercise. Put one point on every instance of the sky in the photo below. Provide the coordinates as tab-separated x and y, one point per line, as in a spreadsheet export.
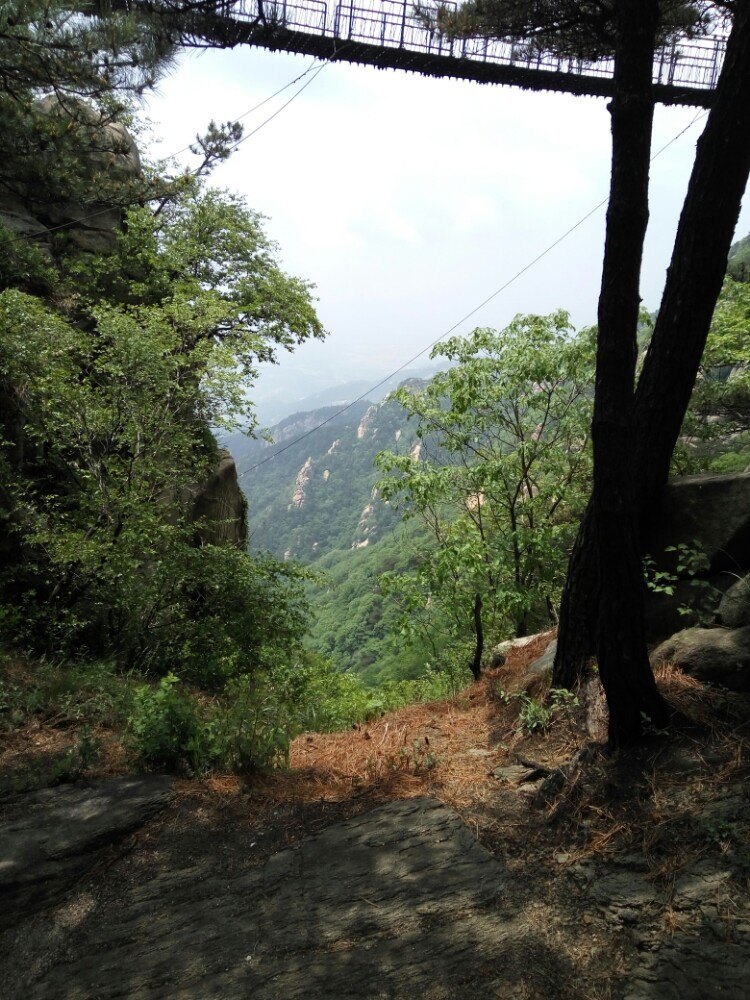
408	201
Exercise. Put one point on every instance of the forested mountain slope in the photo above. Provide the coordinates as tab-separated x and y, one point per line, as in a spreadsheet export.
314	499
312	492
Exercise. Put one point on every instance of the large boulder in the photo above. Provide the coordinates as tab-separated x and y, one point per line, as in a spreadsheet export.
734	609
690	603
219	506
716	655
48	839
710	512
108	152
499	654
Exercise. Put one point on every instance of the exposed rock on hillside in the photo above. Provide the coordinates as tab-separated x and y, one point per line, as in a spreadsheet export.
709	511
300	484
316	496
60	833
710	514
110	150
220	506
734	609
367	423
716	655
367	528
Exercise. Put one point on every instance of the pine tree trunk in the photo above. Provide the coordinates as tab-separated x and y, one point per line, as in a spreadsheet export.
696	273
576	626
613	530
694	280
476	663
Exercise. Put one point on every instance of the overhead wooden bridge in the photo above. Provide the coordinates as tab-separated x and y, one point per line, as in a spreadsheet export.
390	34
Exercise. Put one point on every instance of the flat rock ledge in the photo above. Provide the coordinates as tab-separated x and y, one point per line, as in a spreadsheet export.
397	903
394	901
59	833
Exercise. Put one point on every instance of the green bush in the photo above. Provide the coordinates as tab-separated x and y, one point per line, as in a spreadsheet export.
256	724
165	729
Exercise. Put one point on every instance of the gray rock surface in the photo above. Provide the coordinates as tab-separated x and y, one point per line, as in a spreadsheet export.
220	505
711	511
707	955
49	838
537	677
380	906
544	663
693	602
109	150
498	654
716	655
396	903
734	609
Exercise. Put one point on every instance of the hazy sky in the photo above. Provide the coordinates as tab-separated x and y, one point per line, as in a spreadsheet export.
409	200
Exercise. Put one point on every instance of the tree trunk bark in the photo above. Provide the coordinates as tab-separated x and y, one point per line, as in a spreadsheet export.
576	627
622	656
697	270
476	663
694	280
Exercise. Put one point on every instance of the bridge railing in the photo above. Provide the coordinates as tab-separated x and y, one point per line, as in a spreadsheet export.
308	16
396	24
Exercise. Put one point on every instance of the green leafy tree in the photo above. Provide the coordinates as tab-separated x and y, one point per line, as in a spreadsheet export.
67	72
109	393
716	432
499	476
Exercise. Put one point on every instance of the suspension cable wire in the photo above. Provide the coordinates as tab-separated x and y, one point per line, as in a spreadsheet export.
257	107
93	215
468	315
285	105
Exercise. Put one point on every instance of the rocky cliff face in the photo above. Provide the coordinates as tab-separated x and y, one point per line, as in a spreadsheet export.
110	161
219	506
29	209
319	494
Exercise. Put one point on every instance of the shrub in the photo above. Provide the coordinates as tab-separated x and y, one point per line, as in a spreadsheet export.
257	724
164	728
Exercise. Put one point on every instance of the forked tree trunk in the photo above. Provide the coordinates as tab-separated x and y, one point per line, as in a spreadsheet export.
622	656
704	236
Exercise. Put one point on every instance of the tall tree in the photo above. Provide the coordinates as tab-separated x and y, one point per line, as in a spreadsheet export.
51	48
499	477
629	31
621	646
709	217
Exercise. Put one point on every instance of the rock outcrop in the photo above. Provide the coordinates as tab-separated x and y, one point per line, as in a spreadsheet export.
300	485
710	514
220	507
59	833
387	904
734	609
715	655
398	902
110	151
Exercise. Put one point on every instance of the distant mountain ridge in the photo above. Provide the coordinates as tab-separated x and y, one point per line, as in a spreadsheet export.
275	403
315	495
